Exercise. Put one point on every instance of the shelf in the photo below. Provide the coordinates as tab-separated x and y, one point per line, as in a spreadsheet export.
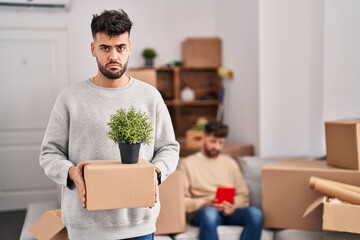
170	81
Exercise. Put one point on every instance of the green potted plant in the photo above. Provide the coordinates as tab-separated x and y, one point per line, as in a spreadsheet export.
149	54
129	129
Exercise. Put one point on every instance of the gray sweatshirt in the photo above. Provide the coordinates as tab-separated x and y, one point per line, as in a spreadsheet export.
77	130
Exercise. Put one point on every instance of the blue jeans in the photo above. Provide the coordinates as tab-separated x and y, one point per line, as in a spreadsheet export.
208	218
145	237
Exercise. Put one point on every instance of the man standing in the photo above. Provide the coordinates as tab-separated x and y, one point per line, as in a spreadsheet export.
77	131
204	172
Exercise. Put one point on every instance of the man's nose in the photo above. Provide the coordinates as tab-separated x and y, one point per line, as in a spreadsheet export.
113	55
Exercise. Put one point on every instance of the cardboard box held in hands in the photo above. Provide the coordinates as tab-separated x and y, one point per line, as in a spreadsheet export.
112	185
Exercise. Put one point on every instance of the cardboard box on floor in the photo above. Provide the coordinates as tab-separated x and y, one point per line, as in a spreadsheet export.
202	52
343	143
111	184
286	193
341	217
49	227
172	214
341	205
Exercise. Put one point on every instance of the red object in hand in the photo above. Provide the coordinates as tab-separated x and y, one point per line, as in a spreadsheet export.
225	194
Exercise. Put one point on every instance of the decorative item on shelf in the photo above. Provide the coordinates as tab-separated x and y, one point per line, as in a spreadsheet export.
149	54
175	63
129	129
224	73
187	94
194	136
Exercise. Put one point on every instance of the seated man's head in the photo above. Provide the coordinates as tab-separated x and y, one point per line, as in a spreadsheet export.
214	138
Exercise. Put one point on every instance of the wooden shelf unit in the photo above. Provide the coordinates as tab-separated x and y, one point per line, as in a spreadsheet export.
170	81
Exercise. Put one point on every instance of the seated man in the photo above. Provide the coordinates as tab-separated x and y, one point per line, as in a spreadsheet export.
204	172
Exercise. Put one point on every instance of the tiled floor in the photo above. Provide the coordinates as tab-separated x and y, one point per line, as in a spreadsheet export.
11	224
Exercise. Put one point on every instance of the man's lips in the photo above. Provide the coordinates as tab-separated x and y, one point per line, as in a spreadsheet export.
113	65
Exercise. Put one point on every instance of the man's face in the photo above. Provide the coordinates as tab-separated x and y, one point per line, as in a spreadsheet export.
112	54
213	145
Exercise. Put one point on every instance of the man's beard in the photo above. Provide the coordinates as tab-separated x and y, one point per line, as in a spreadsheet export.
111	75
211	153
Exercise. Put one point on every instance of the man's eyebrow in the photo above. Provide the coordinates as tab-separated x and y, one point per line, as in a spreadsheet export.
121	45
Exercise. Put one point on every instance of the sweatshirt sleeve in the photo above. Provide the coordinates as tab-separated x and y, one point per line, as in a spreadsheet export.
241	198
54	149
191	204
166	154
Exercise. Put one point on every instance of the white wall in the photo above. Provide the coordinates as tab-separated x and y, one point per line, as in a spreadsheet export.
309	72
290	76
342	59
160	24
237	25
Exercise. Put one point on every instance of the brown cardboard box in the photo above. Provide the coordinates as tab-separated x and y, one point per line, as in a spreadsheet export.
194	138
49	227
343	143
202	52
286	192
341	217
111	184
172	214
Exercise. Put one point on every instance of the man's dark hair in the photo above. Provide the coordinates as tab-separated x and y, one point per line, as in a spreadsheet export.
111	22
216	128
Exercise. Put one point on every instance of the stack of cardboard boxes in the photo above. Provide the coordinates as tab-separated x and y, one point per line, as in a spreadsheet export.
287	194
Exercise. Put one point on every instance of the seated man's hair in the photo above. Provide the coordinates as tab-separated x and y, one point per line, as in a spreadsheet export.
111	22
217	129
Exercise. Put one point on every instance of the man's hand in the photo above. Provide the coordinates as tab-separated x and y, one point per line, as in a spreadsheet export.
156	188
225	207
76	175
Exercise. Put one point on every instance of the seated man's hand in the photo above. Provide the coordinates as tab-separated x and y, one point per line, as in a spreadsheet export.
76	175
225	207
229	208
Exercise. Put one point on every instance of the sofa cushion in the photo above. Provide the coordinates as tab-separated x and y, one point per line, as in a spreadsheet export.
224	232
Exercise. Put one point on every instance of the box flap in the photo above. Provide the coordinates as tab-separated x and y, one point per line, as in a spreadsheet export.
48	225
314	205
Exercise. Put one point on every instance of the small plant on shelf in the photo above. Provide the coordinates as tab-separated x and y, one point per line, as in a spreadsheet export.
149	54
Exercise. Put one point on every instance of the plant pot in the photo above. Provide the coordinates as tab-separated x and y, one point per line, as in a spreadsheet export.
149	62
129	153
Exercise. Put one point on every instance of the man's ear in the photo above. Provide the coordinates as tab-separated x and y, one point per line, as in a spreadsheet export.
93	49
